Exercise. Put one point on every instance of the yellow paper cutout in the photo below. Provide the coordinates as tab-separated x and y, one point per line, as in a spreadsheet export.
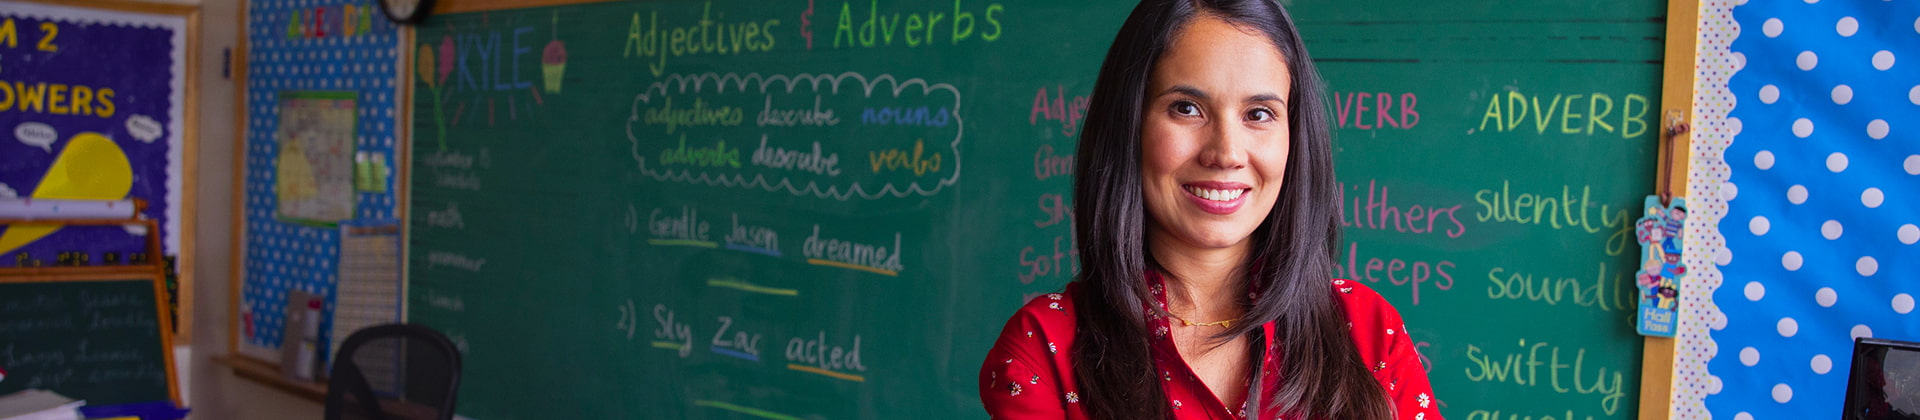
91	167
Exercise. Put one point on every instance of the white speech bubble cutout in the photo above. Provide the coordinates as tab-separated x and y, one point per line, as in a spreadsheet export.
36	134
144	128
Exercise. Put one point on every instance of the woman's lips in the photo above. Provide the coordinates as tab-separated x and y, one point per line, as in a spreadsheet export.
1217	197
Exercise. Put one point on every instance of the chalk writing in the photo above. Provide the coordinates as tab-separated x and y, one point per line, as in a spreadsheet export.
1507	207
1378	213
1566	375
1046	164
437	259
811	161
443	302
488	63
750	238
1483	414
1508	112
811	117
1605	293
890	108
920	28
716	156
740	344
448	218
1063	262
1397	272
1067	111
817	355
669	334
686	226
917	161
656	41
1375	111
695	115
853	255
907	116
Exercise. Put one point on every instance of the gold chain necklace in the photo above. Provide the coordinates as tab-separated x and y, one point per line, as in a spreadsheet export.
1184	321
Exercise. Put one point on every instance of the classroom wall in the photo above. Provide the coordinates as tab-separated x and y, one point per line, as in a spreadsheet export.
211	389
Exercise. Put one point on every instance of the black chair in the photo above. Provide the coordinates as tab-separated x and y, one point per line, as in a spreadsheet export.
1884	382
394	372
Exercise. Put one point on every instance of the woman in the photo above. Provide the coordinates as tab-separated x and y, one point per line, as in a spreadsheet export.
1206	221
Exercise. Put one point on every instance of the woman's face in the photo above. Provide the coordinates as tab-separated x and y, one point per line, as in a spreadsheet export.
1214	135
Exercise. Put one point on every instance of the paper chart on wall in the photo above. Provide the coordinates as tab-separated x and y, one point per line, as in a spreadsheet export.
315	164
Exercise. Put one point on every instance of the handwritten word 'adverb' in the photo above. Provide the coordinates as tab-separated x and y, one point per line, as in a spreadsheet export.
1567	114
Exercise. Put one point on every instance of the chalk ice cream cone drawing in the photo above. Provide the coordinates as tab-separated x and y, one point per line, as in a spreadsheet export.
554	62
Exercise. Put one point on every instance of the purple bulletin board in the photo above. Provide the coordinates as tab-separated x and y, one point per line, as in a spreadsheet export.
91	108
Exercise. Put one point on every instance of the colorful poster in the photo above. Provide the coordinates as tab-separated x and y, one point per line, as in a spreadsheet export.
90	108
315	170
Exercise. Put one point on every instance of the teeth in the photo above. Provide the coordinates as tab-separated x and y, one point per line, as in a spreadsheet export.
1216	195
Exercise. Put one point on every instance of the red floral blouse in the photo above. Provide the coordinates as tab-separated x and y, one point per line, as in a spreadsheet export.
1029	372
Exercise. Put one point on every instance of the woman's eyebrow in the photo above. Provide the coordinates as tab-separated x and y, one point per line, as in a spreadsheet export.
1187	90
1203	96
1266	97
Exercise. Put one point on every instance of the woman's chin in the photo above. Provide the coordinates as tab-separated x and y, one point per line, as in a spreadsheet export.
1218	238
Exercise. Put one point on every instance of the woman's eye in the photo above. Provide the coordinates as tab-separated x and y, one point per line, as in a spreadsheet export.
1185	108
1261	115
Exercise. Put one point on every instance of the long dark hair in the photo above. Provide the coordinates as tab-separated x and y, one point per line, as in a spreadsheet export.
1321	369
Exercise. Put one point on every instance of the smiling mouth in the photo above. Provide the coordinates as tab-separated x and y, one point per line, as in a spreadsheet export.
1220	195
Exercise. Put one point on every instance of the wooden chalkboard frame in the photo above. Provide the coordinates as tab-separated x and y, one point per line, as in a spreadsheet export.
156	278
189	144
1676	97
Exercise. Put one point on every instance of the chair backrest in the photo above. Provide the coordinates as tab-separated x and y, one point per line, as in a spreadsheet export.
1884	382
394	372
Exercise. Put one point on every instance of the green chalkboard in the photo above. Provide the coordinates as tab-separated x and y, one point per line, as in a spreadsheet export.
1492	156
99	341
826	209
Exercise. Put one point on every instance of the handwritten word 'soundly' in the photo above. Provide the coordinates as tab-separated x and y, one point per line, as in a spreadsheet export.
1604	292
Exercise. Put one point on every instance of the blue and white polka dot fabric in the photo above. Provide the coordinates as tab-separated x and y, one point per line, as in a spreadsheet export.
1824	201
288	53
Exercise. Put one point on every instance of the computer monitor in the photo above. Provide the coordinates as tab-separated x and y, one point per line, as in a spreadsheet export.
1885	381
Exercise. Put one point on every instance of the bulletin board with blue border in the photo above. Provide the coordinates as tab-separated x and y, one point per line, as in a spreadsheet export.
327	66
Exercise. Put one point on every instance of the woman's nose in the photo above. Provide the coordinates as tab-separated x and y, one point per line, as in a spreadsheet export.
1225	147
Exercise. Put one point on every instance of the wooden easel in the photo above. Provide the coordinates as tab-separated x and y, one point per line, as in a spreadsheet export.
153	270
